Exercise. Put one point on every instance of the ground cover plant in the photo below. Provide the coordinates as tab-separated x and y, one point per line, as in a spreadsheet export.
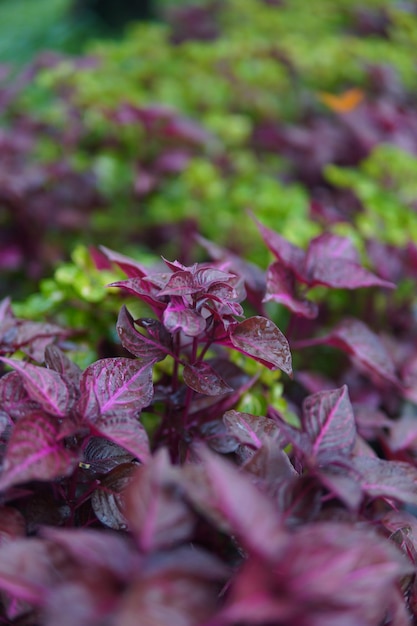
142	487
224	433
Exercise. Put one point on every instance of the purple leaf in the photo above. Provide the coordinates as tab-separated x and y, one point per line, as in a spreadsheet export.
108	501
115	384
355	338
201	377
222	493
96	549
143	289
158	516
132	268
403	433
33	337
328	573
291	256
35	452
280	288
12	524
44	386
179	588
148	349
251	430
387	479
343	484
333	261
180	283
329	423
56	360
259	338
101	455
14	399
177	316
125	430
28	569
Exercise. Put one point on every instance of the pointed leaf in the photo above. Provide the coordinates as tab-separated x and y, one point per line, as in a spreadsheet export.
115	384
182	593
177	316
261	339
387	479
14	399
149	349
108	501
101	455
94	548
35	452
280	288
333	261
158	516
291	256
44	386
222	493
131	268
250	430
355	338
28	569
58	361
329	422
125	430
201	377
143	289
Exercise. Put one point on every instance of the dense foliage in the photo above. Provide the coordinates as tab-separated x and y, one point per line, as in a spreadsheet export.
228	438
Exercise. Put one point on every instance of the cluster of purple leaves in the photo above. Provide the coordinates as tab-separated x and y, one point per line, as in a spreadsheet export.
55	199
31	190
214	517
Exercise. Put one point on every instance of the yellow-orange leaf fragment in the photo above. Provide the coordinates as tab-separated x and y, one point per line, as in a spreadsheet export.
342	103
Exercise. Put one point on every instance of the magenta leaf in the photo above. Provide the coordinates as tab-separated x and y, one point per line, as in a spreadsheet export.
131	268
330	260
355	338
342	483
143	289
250	430
148	349
115	384
90	548
201	377
221	492
34	452
259	338
177	316
396	480
14	399
333	261
28	569
280	288
43	386
158	516
58	361
179	588
291	256
329	423
328	573
125	430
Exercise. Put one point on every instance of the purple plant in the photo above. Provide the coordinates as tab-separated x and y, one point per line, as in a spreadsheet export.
138	488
